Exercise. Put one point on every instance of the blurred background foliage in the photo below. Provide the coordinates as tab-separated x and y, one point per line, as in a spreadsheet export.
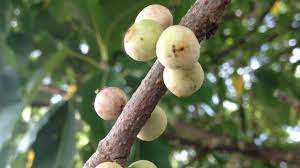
54	54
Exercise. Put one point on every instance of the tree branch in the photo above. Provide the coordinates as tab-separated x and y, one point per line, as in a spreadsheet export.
52	90
40	104
193	136
243	120
284	97
203	19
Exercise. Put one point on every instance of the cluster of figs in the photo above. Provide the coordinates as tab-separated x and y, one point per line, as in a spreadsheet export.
177	49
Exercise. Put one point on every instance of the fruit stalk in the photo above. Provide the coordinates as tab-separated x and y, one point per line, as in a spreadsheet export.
203	19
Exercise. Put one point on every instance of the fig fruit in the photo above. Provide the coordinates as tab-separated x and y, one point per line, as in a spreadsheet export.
177	47
184	82
109	103
140	39
158	13
109	165
142	164
154	126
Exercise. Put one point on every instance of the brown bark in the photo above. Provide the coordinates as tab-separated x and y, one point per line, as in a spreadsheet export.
185	134
203	18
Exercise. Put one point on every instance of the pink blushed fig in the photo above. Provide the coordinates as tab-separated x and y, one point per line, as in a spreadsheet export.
109	103
158	13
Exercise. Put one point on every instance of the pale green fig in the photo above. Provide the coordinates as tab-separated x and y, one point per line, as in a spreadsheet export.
177	47
184	82
158	13
154	126
142	164
109	165
109	103
140	40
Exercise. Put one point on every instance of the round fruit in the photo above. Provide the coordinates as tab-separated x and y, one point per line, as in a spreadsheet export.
142	164
109	165
109	103
155	125
177	47
158	13
184	82
140	40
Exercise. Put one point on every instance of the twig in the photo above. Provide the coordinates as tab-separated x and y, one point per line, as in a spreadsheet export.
52	90
203	18
40	104
213	142
84	58
243	120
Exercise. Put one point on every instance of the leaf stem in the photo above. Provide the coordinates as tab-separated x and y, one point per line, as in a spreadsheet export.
101	45
84	58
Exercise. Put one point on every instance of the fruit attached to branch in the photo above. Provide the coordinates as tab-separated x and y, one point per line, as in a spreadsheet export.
177	47
140	39
158	13
184	82
109	165
142	164
154	126
109	103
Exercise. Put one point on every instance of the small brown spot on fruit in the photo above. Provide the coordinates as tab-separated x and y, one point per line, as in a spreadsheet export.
173	48
109	103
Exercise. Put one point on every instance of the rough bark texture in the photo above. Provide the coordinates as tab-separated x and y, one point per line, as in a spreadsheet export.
189	135
202	18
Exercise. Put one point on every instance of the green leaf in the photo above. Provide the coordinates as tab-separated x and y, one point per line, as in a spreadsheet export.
18	147
9	86
5	15
156	151
34	128
180	9
10	103
7	154
87	95
65	154
229	126
20	161
204	94
273	111
55	143
7	53
10	111
9	115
